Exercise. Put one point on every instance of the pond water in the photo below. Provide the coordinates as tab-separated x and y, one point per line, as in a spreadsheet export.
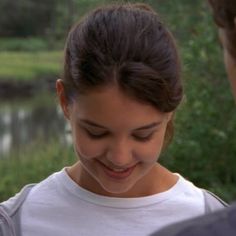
26	121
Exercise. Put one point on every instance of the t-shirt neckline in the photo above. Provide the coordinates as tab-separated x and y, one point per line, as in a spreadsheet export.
115	202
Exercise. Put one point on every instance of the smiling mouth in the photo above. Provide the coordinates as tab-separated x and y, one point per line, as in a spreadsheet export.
117	172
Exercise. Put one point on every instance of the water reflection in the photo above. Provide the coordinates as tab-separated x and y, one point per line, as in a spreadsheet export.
22	123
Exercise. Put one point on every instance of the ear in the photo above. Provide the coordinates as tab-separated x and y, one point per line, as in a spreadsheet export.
62	98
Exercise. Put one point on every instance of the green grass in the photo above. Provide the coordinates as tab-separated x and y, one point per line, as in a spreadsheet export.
17	66
32	165
24	44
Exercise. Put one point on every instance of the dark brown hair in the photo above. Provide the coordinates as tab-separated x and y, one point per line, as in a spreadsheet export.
128	46
224	13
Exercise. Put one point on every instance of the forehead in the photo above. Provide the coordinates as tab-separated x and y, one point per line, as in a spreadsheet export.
110	105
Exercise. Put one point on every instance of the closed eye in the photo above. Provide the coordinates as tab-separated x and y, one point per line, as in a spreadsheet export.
96	135
143	137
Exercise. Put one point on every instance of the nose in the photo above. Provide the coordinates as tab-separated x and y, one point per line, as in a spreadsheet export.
120	153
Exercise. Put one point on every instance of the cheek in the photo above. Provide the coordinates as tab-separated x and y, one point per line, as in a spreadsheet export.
87	148
150	151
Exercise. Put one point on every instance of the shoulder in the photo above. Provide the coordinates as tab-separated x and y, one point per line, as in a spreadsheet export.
190	191
11	209
186	198
207	225
187	186
212	202
9	212
11	205
44	191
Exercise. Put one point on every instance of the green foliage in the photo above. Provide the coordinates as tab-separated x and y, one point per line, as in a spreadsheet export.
26	17
27	44
204	146
29	65
41	18
32	165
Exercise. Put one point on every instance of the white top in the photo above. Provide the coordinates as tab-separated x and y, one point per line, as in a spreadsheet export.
59	207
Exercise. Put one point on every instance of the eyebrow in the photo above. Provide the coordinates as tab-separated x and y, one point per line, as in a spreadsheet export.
149	126
89	122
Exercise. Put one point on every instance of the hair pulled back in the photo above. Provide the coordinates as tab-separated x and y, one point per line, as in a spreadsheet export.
125	45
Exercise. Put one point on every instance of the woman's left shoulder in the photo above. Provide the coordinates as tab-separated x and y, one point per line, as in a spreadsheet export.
212	201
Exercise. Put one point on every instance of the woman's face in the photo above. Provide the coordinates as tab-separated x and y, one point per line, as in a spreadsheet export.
117	139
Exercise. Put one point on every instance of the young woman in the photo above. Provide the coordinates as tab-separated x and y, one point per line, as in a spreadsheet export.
120	88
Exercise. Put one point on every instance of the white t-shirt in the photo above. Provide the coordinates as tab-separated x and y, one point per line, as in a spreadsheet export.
59	207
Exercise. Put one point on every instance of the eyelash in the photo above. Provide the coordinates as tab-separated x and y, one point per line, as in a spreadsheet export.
102	135
143	139
95	136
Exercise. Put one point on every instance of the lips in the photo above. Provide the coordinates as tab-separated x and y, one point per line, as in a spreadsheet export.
117	172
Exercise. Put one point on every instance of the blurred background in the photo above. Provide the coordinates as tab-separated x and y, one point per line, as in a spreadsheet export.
34	136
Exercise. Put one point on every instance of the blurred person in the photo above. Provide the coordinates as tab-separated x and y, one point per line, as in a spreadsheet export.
219	223
119	91
224	13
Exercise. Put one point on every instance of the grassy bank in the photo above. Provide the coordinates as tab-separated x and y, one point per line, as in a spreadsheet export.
18	66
